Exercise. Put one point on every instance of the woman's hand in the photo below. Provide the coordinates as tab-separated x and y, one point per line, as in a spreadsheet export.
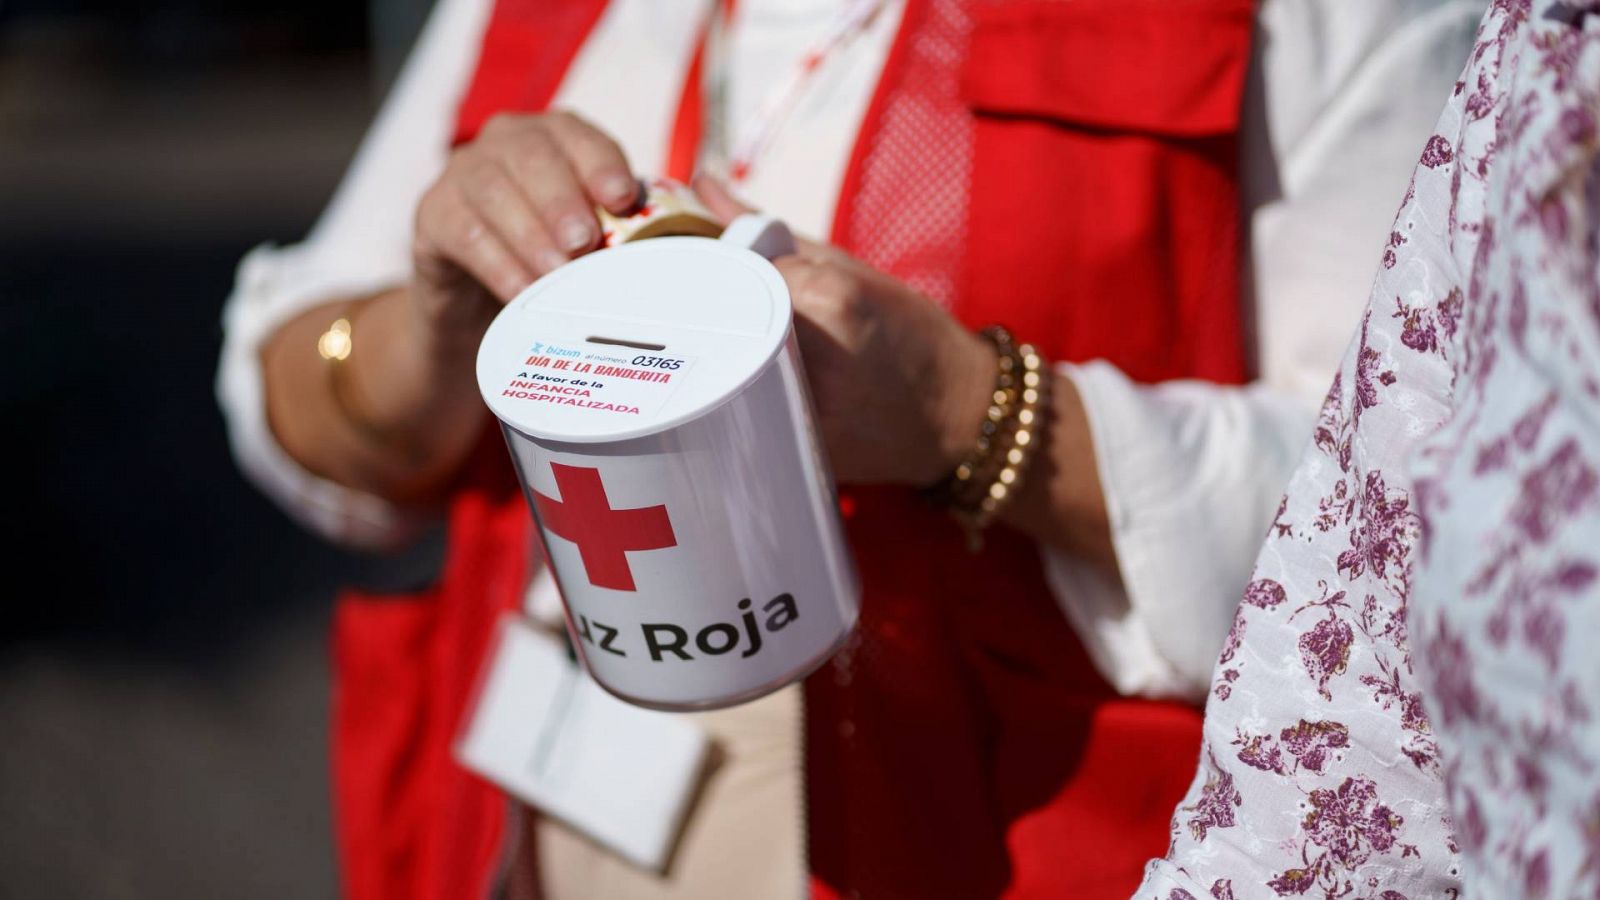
899	385
511	206
508	207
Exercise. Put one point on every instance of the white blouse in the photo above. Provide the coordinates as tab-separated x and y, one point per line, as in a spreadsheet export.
1338	104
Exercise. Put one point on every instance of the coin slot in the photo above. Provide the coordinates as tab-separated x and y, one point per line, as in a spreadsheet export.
619	342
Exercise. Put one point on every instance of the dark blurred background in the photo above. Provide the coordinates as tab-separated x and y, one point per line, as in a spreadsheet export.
163	657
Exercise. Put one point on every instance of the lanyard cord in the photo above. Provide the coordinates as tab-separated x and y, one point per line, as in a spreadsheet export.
757	134
781	101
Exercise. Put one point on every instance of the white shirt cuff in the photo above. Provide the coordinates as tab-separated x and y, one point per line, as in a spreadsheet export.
273	286
1191	473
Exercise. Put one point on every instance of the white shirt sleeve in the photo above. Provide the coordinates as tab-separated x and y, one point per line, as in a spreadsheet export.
1338	107
360	245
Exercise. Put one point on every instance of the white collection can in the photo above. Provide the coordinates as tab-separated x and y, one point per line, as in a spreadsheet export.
653	401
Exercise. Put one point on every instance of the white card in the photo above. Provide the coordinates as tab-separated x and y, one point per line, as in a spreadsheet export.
546	733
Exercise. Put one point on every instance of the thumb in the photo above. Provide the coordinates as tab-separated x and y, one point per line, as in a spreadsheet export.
719	198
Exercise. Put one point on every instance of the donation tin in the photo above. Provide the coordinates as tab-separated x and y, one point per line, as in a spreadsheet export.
652	398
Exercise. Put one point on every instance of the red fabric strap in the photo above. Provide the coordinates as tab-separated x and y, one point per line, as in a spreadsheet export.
688	124
527	48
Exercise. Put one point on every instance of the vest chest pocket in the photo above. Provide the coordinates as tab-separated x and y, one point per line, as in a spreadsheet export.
1174	68
1104	163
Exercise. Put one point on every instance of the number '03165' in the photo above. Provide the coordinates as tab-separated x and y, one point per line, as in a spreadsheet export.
657	362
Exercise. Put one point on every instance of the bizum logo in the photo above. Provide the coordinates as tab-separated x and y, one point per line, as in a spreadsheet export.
537	347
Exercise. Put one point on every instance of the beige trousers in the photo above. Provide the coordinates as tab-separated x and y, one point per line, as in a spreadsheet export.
743	837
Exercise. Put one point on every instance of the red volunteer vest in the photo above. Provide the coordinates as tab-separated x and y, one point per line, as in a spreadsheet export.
964	745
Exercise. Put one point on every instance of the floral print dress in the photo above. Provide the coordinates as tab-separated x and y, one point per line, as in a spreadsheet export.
1408	703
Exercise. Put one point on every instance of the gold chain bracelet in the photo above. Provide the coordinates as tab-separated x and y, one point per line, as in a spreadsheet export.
992	472
335	346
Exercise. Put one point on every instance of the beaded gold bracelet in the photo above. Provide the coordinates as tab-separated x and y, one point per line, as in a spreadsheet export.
992	472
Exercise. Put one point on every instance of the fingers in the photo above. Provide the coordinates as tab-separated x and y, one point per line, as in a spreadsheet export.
564	168
545	178
826	294
797	271
520	201
718	198
502	205
598	163
450	231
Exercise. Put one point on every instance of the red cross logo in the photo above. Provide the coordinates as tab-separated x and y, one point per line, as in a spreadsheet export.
603	535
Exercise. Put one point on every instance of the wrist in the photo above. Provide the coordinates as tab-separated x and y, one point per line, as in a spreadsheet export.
966	396
409	388
1063	504
994	470
409	368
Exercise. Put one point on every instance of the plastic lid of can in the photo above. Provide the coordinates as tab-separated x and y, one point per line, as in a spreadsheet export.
633	340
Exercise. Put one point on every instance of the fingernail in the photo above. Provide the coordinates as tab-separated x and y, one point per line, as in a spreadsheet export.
575	233
621	189
549	260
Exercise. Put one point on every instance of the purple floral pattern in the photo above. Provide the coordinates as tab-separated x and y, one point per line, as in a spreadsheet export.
1307	745
1506	592
1214	808
1325	650
1311	742
1407	693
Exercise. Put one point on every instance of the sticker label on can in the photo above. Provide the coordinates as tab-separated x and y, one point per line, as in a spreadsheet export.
596	378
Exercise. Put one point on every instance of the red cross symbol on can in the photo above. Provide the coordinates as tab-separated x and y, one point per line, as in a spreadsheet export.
602	535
